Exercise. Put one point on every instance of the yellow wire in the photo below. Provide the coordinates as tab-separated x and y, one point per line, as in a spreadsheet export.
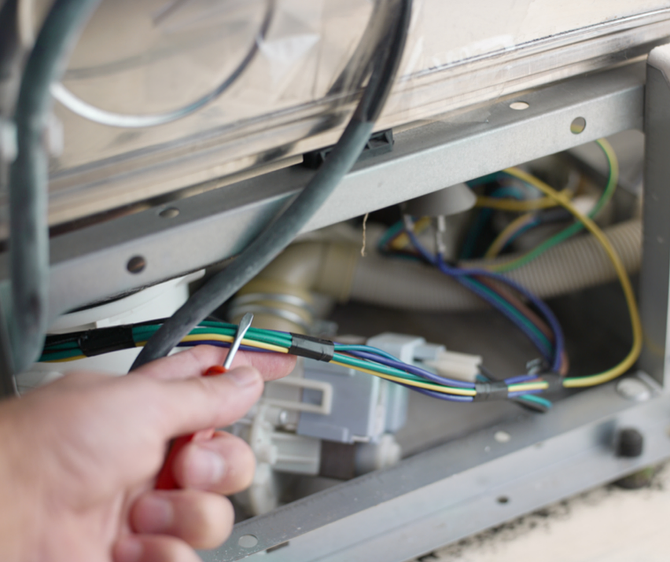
76	358
521	206
229	339
636	325
501	239
529	386
427	386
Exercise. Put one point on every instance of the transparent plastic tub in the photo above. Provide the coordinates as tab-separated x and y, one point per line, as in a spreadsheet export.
162	95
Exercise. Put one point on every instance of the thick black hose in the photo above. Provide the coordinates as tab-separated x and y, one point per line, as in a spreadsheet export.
284	229
29	178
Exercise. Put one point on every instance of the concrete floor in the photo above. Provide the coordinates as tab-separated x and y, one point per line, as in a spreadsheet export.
607	524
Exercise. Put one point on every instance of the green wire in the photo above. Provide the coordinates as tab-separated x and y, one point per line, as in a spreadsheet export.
47	355
537	399
612	181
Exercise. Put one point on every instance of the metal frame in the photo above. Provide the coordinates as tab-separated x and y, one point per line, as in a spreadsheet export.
463	487
92	263
655	275
475	482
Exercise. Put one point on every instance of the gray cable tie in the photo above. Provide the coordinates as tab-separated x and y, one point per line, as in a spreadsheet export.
487	391
312	348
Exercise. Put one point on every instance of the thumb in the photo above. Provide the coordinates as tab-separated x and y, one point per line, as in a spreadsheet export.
190	405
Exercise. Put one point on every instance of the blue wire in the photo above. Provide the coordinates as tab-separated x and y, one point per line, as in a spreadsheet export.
457	273
559	339
413	369
537	399
542	344
483	292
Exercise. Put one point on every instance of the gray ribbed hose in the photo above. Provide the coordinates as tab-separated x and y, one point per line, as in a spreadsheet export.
576	264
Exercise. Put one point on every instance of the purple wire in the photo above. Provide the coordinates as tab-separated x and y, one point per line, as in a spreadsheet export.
439	395
413	369
559	340
457	272
485	296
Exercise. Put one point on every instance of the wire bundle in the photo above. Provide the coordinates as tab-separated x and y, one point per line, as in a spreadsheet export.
538	323
364	358
488	284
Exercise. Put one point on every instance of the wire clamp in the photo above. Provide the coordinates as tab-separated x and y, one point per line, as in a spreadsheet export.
312	348
488	391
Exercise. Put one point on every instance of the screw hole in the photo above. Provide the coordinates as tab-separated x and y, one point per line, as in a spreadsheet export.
169	213
503	500
578	125
519	105
136	264
247	541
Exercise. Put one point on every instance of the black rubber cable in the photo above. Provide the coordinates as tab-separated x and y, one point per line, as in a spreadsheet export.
284	229
29	177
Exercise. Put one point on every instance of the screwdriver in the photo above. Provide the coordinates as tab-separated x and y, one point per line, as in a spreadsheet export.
165	479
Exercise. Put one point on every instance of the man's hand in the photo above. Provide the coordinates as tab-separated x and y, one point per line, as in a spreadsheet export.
78	458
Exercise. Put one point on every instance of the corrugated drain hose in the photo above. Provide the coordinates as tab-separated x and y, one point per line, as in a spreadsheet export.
336	269
576	264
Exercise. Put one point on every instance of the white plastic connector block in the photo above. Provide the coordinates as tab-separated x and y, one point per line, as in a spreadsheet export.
461	366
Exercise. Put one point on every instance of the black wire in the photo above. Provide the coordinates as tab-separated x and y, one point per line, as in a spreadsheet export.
28	187
284	229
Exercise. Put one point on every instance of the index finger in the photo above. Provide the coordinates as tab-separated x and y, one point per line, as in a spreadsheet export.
195	361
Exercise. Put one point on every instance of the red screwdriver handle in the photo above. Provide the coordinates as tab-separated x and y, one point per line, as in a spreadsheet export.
165	479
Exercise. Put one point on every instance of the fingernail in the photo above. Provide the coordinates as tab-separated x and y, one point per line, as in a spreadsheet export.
206	468
158	514
244	376
128	549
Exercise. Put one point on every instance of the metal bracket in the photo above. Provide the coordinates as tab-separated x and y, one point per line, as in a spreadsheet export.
460	488
93	263
655	272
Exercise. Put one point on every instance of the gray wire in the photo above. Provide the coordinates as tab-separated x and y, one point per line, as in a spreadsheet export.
88	111
28	184
284	229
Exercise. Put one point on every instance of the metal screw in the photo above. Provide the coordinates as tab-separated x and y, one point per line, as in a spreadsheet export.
136	264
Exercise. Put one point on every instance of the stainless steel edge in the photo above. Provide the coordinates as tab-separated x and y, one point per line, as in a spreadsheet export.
655	272
90	264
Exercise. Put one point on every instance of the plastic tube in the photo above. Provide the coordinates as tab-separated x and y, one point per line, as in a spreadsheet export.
574	265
